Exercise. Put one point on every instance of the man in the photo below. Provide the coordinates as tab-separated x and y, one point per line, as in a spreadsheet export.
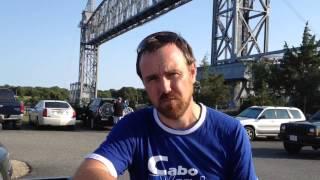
118	107
177	138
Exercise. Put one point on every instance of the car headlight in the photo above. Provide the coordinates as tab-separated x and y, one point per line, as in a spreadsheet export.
282	127
311	131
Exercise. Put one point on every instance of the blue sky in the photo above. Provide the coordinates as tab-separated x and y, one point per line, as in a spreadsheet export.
39	39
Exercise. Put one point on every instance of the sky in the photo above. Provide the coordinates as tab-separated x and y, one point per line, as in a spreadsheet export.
40	39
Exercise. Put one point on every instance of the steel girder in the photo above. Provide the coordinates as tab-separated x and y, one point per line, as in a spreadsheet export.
240	29
110	19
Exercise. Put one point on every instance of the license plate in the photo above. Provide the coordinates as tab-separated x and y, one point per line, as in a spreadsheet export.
293	138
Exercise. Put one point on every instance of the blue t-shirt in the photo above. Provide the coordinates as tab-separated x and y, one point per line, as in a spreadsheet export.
216	147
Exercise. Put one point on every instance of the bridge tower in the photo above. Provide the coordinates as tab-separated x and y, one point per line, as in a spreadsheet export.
240	33
110	19
240	29
86	88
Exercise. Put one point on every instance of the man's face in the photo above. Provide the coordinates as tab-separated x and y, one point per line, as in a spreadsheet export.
168	80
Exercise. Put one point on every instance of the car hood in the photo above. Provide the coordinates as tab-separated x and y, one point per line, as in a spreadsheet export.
317	123
244	118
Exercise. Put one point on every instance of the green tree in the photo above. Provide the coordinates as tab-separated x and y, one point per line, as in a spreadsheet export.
301	74
213	91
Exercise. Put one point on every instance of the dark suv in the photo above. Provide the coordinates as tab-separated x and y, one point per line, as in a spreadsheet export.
295	135
99	113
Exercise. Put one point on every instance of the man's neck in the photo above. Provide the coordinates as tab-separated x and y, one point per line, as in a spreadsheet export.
186	121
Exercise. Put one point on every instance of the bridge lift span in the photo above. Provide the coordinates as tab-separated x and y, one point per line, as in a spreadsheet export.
239	33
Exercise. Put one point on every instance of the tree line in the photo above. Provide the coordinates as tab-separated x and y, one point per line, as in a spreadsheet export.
31	95
293	80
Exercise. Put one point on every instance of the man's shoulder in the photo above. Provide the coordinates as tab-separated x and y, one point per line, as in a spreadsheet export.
220	118
138	117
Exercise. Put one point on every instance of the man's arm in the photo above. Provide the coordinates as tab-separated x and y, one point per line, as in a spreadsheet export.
94	170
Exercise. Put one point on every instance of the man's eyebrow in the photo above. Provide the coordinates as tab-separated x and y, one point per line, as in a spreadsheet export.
151	76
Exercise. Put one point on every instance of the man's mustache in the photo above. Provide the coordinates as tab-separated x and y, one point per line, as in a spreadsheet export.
168	96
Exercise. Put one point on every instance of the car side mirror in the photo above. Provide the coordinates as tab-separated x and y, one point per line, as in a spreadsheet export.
262	117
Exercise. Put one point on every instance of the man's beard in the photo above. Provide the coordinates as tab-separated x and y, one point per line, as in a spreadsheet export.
172	105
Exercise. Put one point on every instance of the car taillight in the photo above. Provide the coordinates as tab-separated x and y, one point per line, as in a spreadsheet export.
45	112
21	107
74	114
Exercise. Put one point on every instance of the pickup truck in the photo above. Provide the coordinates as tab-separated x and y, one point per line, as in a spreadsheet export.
11	110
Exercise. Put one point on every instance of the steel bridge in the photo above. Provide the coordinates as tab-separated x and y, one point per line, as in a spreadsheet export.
240	32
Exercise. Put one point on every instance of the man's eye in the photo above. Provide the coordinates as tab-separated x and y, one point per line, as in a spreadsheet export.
150	79
174	74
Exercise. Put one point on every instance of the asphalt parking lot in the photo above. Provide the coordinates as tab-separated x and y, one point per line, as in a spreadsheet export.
58	152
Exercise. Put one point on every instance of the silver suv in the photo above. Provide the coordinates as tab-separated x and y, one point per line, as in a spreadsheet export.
265	121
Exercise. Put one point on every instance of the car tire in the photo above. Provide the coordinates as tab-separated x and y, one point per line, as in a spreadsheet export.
251	133
9	125
17	124
292	148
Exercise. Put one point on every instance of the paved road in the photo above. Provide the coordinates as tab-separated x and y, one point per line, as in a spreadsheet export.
272	162
53	152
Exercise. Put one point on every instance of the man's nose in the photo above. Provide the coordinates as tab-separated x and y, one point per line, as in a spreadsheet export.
165	85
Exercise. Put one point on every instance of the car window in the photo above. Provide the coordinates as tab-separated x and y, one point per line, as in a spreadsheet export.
315	117
295	113
6	95
250	112
269	114
282	114
56	105
93	103
38	105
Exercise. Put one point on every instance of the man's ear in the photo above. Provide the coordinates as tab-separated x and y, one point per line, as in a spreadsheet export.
193	72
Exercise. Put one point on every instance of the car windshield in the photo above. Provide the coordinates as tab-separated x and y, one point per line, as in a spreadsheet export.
250	112
56	105
6	95
315	117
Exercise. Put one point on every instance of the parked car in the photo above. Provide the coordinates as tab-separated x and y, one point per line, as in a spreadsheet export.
295	135
5	165
54	113
265	121
99	113
11	110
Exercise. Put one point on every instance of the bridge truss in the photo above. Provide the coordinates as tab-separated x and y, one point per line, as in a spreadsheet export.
239	31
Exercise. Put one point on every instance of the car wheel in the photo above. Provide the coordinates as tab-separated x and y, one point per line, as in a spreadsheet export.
292	148
17	124
251	133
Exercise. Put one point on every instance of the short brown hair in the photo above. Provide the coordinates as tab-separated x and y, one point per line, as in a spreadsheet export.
157	40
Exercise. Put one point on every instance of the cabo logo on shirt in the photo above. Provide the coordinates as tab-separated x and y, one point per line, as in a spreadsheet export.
173	171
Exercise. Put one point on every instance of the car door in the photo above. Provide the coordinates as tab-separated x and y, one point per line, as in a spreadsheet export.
265	122
282	116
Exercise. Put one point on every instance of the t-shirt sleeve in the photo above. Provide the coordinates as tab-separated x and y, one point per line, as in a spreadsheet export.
118	148
242	161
